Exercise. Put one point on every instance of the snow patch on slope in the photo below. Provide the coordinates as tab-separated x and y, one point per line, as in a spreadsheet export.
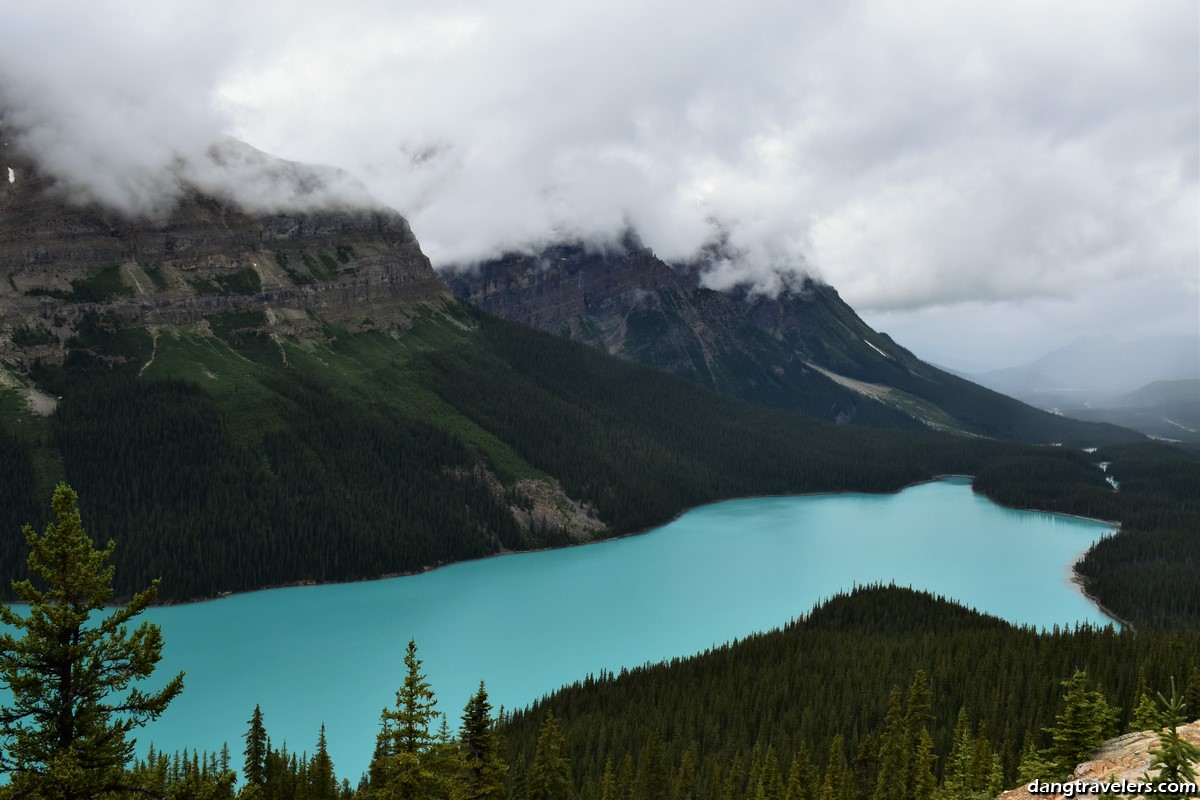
876	349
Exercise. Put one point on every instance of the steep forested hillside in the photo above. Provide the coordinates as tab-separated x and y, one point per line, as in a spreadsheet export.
248	399
241	459
823	707
232	457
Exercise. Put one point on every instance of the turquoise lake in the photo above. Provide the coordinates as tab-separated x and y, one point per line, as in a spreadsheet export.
529	623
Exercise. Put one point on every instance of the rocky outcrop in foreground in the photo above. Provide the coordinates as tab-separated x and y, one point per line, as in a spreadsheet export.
1126	758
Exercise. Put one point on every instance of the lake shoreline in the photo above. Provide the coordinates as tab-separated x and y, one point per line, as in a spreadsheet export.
1077	579
618	537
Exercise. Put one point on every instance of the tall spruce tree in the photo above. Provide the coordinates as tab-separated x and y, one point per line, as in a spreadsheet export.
1175	758
893	753
956	778
322	783
608	783
839	782
1191	697
64	734
255	766
802	776
403	770
917	716
550	772
685	778
483	769
1082	726
770	780
923	781
651	781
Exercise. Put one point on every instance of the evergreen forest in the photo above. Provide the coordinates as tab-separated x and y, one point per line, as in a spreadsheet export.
237	460
234	461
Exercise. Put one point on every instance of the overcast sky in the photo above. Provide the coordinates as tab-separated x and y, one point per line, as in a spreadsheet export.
983	180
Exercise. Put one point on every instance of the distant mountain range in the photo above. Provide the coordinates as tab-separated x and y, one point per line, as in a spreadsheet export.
1151	385
1100	366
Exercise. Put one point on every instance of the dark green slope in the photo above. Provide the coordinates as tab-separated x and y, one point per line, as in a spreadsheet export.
804	349
236	459
829	674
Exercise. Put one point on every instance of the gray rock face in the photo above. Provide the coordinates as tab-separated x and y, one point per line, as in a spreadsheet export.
759	348
360	266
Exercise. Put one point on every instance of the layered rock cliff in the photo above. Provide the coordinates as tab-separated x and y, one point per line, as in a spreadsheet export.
356	264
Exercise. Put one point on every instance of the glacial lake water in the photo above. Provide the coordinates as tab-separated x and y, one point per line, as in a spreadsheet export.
529	623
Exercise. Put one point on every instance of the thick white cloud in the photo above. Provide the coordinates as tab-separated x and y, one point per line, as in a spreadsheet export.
932	159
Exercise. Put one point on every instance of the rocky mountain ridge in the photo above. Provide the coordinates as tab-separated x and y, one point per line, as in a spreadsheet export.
802	349
359	266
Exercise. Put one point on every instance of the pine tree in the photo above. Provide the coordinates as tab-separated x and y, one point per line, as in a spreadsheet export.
404	769
550	772
956	784
733	787
1143	702
837	783
755	770
1082	725
483	769
1145	714
893	754
995	779
322	784
866	766
917	717
1175	758
1191	697
518	780
651	781
802	777
1033	764
608	782
685	779
255	767
770	782
981	761
923	781
443	763
625	778
64	735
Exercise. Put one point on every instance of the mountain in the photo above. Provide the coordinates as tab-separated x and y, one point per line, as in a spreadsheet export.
248	398
1162	409
1098	367
804	349
1148	385
359	264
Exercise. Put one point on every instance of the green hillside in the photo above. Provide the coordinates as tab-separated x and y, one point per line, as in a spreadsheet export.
226	458
807	708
